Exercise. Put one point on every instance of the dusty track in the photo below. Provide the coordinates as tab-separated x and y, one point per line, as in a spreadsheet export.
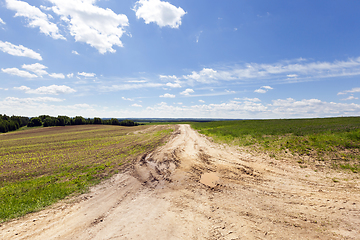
161	197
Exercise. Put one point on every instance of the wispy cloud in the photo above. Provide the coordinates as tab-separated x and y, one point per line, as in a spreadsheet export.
285	71
84	74
127	99
353	90
263	89
50	90
123	87
350	98
18	72
19	50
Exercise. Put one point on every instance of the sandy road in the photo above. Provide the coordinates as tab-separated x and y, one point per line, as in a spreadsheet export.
163	196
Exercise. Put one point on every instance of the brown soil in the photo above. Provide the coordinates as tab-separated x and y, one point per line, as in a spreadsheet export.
243	196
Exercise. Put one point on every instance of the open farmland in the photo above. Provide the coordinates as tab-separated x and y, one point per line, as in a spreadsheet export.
40	166
330	142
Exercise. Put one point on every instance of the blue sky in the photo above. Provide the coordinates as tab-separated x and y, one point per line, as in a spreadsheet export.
203	59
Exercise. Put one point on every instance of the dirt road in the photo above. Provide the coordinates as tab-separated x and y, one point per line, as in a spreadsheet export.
192	188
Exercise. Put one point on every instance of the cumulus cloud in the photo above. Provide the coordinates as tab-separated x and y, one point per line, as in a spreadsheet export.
167	95
202	101
35	18
75	52
50	90
2	22
136	105
353	90
18	72
36	68
187	92
263	89
19	50
84	74
159	12
70	75
100	28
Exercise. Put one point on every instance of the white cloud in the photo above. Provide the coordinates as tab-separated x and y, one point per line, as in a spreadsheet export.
312	108
35	17
57	75
248	99
127	99
280	108
207	75
159	12
136	105
202	101
100	28
123	87
350	98
18	72
84	74
260	90
167	95
52	90
353	90
169	77
187	92
286	71
2	22
75	52
36	68
292	75
70	75
173	85
19	50
263	89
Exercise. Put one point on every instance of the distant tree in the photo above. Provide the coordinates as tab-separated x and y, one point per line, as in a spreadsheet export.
35	122
97	120
78	120
128	123
50	121
63	121
114	121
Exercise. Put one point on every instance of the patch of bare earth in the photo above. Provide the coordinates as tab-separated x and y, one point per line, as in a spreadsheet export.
192	188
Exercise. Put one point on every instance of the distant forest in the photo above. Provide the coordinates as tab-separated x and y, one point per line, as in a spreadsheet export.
13	123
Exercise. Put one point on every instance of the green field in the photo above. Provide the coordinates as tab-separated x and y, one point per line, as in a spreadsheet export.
41	166
331	141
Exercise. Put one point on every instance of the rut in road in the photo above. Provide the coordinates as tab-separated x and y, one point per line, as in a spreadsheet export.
192	188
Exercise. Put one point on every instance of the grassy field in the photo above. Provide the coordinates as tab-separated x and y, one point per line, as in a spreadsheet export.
331	141
41	166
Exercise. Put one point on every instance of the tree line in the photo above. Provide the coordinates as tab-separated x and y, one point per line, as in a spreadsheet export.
15	122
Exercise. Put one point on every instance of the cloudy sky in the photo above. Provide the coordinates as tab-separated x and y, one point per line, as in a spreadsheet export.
180	58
